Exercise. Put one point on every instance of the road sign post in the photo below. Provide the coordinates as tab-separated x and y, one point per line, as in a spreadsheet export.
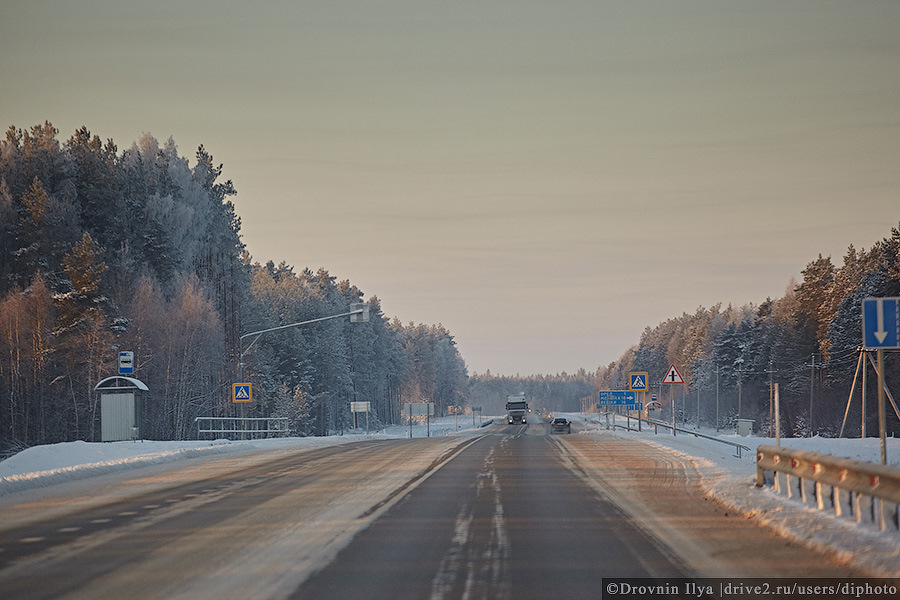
673	377
361	407
881	330
425	409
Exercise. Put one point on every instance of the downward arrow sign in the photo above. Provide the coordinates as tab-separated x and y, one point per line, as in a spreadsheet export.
879	332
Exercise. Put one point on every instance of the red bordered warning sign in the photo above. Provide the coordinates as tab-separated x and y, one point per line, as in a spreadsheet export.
673	376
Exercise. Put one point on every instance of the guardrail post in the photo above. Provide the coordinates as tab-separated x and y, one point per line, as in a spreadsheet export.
760	472
861	481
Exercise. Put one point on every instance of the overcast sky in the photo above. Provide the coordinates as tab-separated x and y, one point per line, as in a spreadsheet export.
546	179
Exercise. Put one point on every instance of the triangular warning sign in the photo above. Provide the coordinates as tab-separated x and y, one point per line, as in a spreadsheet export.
673	376
242	394
638	382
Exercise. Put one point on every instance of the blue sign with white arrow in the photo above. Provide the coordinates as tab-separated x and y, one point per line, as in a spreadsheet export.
616	397
881	323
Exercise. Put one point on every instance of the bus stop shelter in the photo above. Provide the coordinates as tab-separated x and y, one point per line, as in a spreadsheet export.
121	402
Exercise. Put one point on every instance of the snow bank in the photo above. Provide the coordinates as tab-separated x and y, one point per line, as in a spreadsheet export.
47	465
733	481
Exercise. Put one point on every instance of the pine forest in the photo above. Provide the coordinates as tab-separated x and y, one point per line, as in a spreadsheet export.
106	250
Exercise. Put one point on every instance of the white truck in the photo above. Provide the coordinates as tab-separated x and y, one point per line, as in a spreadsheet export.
516	409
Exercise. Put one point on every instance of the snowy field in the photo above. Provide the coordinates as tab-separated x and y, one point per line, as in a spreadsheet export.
729	478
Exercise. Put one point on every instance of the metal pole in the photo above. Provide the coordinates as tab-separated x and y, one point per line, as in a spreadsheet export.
777	419
770	398
850	398
643	398
717	397
881	409
672	397
259	333
812	376
865	370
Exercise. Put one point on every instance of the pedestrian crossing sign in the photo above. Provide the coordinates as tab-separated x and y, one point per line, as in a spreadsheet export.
241	392
637	382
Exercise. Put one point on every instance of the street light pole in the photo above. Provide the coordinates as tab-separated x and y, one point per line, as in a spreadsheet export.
359	313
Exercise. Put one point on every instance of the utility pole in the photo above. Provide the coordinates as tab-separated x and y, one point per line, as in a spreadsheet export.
812	379
771	397
717	397
698	403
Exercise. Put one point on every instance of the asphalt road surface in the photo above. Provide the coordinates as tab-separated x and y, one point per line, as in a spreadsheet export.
515	513
505	519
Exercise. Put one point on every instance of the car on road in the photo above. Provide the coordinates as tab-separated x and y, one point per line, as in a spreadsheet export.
560	425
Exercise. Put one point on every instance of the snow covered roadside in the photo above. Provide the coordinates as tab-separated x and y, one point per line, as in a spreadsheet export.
36	471
733	481
44	466
265	549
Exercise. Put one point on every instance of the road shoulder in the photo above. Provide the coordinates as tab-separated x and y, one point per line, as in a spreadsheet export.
663	492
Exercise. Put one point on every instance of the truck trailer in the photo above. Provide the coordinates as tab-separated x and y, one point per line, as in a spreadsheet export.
516	408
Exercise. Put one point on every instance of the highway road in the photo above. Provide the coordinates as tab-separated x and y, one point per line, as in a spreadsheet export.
513	513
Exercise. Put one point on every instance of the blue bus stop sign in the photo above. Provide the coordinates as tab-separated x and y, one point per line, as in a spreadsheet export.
126	363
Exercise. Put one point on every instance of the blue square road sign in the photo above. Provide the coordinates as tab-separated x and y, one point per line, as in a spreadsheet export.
881	323
639	382
241	392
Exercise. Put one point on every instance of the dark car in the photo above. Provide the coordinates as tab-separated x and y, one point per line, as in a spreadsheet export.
560	425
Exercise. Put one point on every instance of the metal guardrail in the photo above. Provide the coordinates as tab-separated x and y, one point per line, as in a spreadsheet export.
242	426
870	488
657	424
737	447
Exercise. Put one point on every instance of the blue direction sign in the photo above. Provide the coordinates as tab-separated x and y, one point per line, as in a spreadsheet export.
639	382
616	397
241	392
881	323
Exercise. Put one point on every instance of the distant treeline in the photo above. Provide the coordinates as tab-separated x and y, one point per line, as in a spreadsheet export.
102	251
806	341
545	393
